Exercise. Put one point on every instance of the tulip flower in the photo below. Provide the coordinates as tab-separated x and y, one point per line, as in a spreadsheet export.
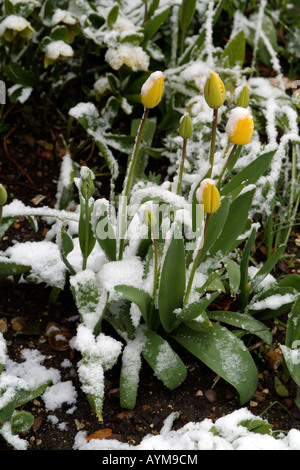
214	91
208	195
151	94
185	131
214	94
240	126
242	96
3	195
152	90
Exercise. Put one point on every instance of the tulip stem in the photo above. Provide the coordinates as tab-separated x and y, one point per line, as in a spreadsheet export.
154	278
226	164
86	244
129	177
181	166
213	142
195	264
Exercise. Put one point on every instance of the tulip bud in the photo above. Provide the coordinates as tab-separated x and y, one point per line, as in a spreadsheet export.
240	126
149	218
3	195
214	91
208	195
186	126
242	96
152	90
87	183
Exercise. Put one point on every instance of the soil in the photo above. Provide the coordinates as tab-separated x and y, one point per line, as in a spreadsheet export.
30	172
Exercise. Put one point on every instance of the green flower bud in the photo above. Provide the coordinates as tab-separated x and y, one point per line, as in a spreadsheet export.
3	195
186	126
242	96
87	183
149	218
214	91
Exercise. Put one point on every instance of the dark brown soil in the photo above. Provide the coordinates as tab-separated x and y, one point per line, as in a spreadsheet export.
30	170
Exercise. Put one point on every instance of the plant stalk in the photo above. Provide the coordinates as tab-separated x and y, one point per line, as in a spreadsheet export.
181	166
86	245
213	142
128	180
226	164
195	264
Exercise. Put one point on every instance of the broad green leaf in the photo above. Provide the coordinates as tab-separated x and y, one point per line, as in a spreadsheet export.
225	354
172	281
86	293
17	74
235	50
140	297
21	422
272	302
251	173
258	426
215	226
292	360
106	237
243	321
165	362
117	313
113	15
234	275
291	280
7	411
280	388
235	223
25	396
86	236
10	268
195	309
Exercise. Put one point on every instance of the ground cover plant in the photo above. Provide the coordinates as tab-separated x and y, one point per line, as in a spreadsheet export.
161	264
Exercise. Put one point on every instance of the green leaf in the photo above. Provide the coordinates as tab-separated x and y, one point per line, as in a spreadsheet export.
225	354
292	360
17	74
140	297
67	247
293	325
25	396
235	223
215	227
195	309
152	25
243	321
7	411
251	173
113	15
267	267
85	292
10	268
280	388
258	426
164	361
105	236
234	275
272	302
187	11
235	50
244	294
21	422
172	281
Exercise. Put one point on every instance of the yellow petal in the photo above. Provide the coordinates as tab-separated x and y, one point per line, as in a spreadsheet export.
240	126
208	195
152	90
214	91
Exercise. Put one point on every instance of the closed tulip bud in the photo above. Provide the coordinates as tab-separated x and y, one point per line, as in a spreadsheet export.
87	183
208	195
186	126
149	218
3	195
152	90
240	126
242	96
214	91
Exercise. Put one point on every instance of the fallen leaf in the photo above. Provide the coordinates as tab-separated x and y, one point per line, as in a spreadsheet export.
99	434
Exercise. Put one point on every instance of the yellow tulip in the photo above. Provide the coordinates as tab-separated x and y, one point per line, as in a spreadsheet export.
214	91
3	195
240	126
152	90
242	96
186	126
208	195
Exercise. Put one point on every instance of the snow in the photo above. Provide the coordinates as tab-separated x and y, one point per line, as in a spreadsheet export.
14	22
132	56
226	433
56	49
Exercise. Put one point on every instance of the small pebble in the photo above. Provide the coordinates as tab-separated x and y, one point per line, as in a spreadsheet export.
211	395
